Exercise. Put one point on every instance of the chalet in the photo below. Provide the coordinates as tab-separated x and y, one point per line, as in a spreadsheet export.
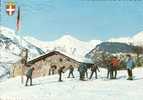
45	62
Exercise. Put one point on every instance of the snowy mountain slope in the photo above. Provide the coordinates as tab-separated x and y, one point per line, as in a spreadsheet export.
10	48
138	39
48	88
73	46
114	47
127	40
135	40
9	57
67	44
13	44
4	71
6	30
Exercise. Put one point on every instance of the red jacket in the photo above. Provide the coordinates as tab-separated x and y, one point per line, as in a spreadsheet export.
115	62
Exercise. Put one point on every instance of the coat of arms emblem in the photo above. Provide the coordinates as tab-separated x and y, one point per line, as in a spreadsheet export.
10	7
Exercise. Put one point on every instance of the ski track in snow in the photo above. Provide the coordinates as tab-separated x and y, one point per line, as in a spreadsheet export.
48	88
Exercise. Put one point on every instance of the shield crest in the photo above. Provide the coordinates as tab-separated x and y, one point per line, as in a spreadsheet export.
10	8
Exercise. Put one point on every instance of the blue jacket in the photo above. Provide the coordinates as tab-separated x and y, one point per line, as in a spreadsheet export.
130	63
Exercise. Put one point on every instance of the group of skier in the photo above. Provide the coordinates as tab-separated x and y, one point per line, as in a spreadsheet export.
112	67
83	70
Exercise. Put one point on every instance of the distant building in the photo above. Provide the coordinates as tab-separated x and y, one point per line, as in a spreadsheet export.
45	62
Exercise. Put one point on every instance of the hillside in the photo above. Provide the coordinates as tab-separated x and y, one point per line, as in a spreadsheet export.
48	88
12	43
11	46
137	39
115	47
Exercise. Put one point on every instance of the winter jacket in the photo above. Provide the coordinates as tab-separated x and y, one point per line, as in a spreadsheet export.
60	70
71	69
130	64
115	62
94	68
29	72
82	68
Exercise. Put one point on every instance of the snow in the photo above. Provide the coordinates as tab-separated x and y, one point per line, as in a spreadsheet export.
6	30
137	39
48	88
4	72
127	40
67	44
11	42
10	49
8	57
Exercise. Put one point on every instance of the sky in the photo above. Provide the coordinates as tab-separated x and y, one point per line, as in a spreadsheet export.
84	19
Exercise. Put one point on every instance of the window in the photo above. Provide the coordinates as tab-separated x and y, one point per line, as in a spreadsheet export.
68	59
60	59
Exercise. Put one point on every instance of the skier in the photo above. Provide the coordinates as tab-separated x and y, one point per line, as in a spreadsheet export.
115	63
60	71
82	70
94	69
71	69
130	65
29	76
109	69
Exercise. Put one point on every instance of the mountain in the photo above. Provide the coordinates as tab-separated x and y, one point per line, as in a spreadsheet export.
126	40
137	39
106	49
67	44
12	43
115	47
118	45
10	48
6	30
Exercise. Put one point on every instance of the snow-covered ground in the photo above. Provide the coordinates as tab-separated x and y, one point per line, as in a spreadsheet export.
48	88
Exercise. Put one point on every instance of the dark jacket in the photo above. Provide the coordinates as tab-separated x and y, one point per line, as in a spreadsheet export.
29	72
94	68
60	70
71	69
82	68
